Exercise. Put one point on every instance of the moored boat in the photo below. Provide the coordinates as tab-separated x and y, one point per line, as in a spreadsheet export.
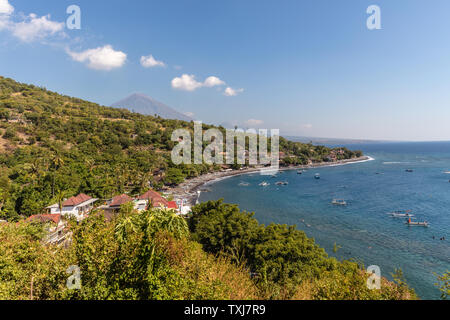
401	214
409	222
339	202
317	176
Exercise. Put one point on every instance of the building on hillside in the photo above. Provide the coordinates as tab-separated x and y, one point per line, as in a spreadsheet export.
78	206
58	232
54	219
151	197
113	205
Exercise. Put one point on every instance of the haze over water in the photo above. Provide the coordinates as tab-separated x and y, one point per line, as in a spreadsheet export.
372	189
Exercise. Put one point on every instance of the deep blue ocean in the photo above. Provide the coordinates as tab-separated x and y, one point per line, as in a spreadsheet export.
363	228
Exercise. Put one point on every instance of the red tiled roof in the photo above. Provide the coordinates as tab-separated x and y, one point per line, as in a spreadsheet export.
74	201
120	200
172	205
155	198
45	218
149	194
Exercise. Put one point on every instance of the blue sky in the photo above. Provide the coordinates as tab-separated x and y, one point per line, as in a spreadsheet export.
309	68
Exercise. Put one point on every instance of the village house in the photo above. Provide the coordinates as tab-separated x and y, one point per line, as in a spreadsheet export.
53	219
58	233
153	197
78	206
141	203
113	205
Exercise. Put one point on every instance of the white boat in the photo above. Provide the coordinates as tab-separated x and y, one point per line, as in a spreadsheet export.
401	214
264	184
339	202
317	176
417	224
244	184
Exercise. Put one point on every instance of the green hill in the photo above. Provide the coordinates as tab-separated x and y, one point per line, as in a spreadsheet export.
53	145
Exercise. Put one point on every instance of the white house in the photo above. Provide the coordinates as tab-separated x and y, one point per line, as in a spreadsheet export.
77	206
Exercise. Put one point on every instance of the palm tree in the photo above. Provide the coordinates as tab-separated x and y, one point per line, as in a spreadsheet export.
60	196
151	222
56	163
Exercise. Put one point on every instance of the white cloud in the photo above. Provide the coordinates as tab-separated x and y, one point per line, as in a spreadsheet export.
5	11
4	22
150	62
253	123
230	92
212	82
101	58
307	126
5	7
186	82
189	114
34	28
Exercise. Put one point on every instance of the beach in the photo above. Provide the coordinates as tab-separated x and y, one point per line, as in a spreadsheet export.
190	189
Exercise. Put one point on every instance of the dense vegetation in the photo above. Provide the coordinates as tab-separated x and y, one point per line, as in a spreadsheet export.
54	146
218	252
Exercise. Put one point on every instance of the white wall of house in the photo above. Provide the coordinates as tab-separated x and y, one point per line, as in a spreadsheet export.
75	211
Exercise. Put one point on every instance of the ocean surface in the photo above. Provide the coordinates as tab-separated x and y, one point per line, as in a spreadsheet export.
363	228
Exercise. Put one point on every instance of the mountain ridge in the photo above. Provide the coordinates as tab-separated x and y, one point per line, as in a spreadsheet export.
143	104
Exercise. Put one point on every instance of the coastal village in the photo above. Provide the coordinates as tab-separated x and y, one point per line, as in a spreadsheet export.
79	207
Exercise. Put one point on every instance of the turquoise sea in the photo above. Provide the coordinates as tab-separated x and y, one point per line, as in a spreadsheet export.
363	228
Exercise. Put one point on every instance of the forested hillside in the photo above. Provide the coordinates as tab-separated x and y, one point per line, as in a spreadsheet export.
219	252
54	146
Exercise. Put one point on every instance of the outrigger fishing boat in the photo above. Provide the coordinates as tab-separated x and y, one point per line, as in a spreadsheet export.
401	214
409	222
339	202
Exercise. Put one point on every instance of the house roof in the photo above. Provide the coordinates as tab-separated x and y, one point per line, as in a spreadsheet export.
154	197
172	205
55	218
120	200
149	194
74	201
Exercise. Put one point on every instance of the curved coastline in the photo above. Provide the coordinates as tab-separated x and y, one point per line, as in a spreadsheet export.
190	189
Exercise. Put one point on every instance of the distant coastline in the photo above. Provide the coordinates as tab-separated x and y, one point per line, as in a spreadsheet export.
190	188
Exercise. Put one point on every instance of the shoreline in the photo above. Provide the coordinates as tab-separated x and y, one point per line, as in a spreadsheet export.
191	188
